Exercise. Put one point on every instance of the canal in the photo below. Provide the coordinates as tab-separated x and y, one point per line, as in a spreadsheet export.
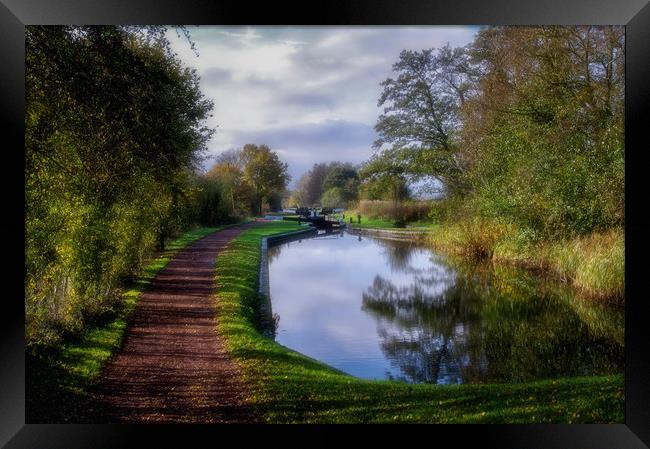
386	309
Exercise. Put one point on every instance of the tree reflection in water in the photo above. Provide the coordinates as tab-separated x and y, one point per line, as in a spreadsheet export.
478	323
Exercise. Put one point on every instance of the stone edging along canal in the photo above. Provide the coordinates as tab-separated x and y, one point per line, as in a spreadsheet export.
392	234
263	290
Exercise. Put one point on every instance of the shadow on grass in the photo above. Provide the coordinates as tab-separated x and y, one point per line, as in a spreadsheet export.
53	394
298	389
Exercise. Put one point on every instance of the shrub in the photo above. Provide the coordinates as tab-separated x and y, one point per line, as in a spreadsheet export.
474	238
401	212
595	263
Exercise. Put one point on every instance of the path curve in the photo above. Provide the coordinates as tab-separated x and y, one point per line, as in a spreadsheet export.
173	367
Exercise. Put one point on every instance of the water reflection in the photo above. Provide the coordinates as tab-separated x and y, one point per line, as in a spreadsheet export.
388	309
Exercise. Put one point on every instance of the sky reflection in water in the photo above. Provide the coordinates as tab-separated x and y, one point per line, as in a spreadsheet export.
381	309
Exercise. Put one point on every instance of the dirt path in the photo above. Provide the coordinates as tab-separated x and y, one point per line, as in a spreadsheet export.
173	367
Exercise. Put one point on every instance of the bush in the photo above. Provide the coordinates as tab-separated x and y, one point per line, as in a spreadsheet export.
474	238
400	212
113	131
594	263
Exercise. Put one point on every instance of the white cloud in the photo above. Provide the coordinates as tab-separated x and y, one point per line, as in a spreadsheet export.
267	81
246	37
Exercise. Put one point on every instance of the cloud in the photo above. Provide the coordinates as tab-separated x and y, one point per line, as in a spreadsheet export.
216	75
329	134
308	99
303	145
245	37
309	92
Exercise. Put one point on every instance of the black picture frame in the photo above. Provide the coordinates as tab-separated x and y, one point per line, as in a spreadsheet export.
634	14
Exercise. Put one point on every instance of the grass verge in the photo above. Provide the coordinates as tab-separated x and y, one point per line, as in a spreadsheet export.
372	223
593	264
383	222
58	378
289	387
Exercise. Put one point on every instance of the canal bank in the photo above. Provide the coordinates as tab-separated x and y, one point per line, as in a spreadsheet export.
265	312
393	234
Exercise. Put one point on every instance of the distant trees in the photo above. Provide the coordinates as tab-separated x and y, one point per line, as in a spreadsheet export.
228	171
114	131
249	177
395	189
336	183
310	186
334	197
381	180
340	186
264	172
213	203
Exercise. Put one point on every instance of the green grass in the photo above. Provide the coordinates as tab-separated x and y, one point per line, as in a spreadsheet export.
289	387
593	264
372	223
58	379
368	222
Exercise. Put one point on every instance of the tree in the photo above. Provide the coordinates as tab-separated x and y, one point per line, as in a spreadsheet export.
322	177
338	175
334	197
114	130
298	197
524	124
264	172
345	179
418	127
543	134
382	180
213	203
310	185
229	170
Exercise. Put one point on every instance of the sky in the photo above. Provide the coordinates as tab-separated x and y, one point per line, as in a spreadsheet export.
309	93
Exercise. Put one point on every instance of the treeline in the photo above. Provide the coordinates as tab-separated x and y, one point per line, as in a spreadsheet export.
114	141
342	184
243	182
334	184
525	124
523	133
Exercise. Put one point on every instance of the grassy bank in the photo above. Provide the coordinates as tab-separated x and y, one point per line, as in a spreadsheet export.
371	223
58	378
368	222
594	264
289	387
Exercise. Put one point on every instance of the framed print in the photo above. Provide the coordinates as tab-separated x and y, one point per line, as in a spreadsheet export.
353	213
